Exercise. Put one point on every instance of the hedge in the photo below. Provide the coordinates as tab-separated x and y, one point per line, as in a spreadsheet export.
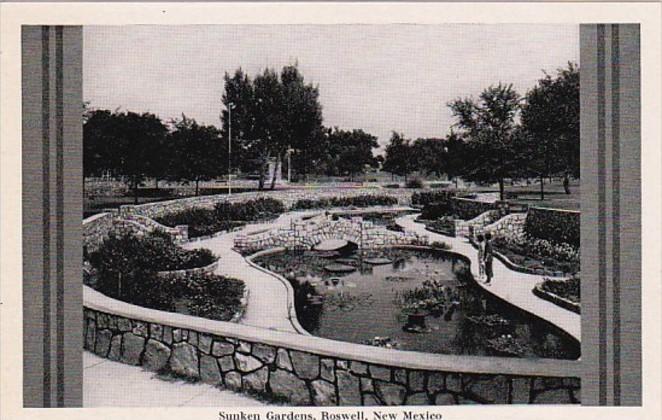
367	200
422	198
224	216
553	225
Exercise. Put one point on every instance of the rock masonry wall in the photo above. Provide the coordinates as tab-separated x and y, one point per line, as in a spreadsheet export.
304	378
304	234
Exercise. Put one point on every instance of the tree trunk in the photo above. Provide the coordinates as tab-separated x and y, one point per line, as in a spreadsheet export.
135	192
261	180
156	183
542	188
197	187
501	190
566	184
456	180
275	174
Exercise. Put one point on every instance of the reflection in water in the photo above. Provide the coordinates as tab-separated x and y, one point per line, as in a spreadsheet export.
424	300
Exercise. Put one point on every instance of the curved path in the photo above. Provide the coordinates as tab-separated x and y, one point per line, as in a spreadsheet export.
511	286
268	297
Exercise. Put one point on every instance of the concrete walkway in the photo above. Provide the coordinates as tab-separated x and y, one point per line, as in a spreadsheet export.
267	295
114	384
509	285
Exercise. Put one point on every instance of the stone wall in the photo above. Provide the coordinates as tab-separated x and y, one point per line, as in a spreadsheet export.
304	234
305	370
288	197
512	224
467	209
98	227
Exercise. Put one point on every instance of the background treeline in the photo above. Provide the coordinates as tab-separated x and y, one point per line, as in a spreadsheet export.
278	117
502	136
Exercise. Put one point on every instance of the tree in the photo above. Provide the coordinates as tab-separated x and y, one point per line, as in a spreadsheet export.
124	144
456	158
273	113
550	117
350	152
429	156
199	150
398	158
487	124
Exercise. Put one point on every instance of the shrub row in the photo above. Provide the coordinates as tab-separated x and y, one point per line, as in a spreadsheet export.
553	225
354	201
422	198
224	216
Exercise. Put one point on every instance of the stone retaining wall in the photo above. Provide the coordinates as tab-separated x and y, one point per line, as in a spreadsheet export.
512	224
304	234
288	197
306	370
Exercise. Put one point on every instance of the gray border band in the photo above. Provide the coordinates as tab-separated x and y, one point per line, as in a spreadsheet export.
52	210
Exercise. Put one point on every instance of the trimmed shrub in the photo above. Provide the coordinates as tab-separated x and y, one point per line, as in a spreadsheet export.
553	225
224	216
414	183
421	198
367	200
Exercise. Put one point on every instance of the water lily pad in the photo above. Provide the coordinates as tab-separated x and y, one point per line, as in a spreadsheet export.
348	261
339	268
377	261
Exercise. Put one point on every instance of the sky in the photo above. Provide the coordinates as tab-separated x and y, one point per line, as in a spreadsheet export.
378	78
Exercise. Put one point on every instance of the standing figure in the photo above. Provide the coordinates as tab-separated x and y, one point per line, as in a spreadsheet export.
488	255
481	256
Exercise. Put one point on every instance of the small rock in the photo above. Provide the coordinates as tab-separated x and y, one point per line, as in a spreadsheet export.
103	342
156	355
221	348
349	392
246	363
265	353
306	365
209	372
204	343
244	347
420	398
156	331
184	360
233	380
115	352
283	360
324	393
132	348
358	368
444	399
391	394
283	384
226	363
327	370
369	400
256	381
378	372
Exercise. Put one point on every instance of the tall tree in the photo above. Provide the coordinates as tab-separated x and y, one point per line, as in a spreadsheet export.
398	157
488	125
350	152
456	158
122	144
550	116
199	151
429	156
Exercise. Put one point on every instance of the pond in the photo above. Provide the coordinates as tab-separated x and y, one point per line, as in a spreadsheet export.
410	299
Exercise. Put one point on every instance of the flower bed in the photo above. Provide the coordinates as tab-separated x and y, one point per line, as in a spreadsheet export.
224	216
535	255
444	225
366	200
564	293
126	267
